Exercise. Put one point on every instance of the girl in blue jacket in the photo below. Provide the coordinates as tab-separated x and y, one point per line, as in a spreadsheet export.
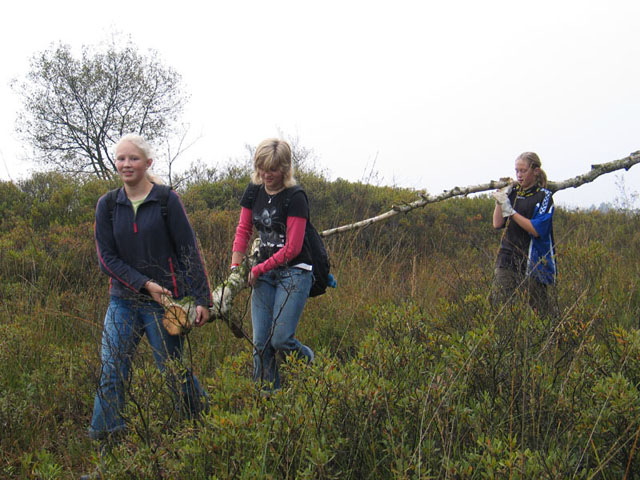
527	258
147	247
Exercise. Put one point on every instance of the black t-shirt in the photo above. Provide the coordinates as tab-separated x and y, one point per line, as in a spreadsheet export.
269	217
514	248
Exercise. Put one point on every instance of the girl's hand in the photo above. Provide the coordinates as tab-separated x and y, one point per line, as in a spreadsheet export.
202	315
500	197
157	291
252	279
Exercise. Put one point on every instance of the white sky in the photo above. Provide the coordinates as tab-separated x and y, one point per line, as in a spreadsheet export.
428	94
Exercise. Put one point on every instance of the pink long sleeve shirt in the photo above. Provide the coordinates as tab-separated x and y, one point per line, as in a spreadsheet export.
293	244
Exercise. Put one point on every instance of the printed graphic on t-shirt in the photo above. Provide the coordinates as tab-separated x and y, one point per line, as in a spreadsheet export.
269	237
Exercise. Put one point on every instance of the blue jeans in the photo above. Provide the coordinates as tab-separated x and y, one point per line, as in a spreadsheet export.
278	298
125	323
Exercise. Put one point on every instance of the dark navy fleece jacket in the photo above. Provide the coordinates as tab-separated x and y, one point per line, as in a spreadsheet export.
133	250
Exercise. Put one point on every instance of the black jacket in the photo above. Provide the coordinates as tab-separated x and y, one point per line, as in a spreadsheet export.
148	247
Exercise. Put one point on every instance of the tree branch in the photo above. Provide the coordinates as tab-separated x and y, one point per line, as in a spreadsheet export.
224	294
425	199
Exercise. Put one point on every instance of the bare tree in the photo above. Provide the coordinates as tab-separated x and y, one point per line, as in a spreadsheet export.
174	146
75	108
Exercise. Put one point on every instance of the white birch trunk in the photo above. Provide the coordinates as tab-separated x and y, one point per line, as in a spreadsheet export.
224	294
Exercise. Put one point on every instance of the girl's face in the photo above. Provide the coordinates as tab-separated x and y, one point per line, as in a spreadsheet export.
131	163
273	179
525	174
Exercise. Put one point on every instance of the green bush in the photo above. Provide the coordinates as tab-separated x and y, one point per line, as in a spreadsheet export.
416	376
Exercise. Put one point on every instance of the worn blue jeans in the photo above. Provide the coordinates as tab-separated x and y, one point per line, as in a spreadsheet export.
125	323
277	301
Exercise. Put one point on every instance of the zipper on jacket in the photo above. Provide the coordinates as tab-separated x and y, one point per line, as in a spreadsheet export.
135	227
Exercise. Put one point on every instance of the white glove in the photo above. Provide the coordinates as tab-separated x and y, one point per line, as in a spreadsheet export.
502	199
507	189
507	209
504	192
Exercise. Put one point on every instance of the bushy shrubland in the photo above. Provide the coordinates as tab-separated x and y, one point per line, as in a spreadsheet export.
416	376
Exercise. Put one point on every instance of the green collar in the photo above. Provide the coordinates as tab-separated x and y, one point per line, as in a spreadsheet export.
521	192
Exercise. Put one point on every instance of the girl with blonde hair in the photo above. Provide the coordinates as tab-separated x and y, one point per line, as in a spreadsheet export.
147	247
526	258
278	210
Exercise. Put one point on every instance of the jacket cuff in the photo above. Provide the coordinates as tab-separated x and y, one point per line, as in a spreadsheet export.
141	282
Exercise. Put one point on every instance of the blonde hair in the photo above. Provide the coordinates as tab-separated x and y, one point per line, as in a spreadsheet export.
144	147
533	161
273	153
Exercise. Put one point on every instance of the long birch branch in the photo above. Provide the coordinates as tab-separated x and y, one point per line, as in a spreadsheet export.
426	199
224	293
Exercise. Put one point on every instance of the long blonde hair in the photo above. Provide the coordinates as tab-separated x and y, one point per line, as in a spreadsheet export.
146	150
273	153
533	161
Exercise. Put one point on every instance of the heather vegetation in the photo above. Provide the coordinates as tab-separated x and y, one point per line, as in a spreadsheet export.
416	376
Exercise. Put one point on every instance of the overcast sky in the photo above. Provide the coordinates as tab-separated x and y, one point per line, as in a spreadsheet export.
427	94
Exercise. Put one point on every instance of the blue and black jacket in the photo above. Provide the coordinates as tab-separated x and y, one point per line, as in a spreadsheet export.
133	249
523	252
541	263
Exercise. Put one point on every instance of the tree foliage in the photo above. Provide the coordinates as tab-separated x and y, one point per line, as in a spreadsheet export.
75	108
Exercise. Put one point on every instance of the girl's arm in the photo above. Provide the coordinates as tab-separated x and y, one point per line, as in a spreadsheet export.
524	223
110	261
498	219
296	227
185	242
243	234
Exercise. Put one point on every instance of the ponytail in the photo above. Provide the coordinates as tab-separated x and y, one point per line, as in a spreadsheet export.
153	178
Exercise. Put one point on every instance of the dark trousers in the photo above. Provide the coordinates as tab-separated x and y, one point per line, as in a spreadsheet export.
507	283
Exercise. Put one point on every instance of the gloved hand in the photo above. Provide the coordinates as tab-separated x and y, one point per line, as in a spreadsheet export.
507	189
507	209
503	193
502	199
